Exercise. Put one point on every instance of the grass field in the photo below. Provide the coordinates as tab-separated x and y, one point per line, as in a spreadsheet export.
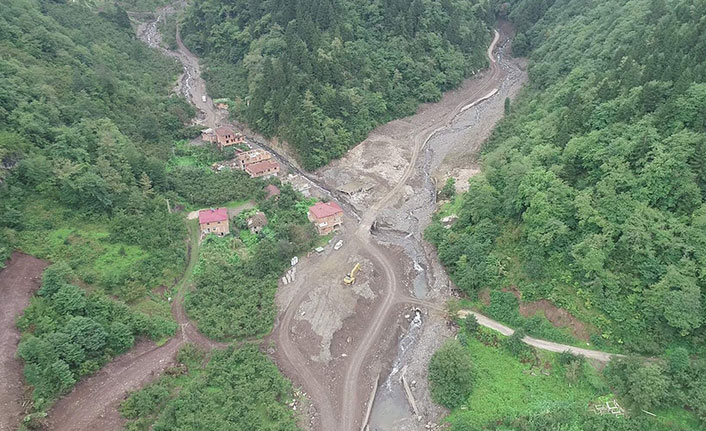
505	387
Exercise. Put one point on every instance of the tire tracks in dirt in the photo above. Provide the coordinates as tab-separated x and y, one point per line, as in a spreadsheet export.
18	281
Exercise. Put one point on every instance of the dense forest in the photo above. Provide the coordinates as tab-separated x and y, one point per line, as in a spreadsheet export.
322	74
93	155
592	193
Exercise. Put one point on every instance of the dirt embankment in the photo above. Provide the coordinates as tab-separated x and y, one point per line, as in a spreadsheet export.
18	281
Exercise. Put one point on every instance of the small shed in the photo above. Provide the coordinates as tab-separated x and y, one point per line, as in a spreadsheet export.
256	222
272	191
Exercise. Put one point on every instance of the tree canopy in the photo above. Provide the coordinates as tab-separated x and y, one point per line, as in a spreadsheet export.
593	188
322	74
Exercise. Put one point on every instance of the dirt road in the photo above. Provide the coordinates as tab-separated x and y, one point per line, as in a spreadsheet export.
93	403
540	344
18	281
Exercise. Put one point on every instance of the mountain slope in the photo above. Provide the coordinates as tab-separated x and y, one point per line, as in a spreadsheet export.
322	74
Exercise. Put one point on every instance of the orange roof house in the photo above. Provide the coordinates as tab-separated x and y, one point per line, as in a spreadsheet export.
214	221
264	169
326	216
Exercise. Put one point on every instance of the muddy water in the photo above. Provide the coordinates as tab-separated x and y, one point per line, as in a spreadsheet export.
391	405
391	409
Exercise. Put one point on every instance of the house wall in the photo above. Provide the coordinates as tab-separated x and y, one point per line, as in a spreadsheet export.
245	158
326	225
220	227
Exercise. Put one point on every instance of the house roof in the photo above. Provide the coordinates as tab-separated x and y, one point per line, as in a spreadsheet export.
213	215
271	190
259	219
325	209
260	167
224	130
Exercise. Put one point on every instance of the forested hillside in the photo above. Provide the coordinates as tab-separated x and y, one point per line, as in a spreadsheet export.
592	190
321	74
86	119
88	124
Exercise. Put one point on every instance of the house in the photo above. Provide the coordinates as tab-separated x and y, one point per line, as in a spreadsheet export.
264	169
326	216
252	156
226	136
214	221
257	221
272	191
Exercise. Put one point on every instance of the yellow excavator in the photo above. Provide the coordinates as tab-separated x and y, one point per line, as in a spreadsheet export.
350	277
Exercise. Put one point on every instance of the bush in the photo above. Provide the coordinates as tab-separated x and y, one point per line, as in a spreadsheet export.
470	324
516	346
504	307
451	375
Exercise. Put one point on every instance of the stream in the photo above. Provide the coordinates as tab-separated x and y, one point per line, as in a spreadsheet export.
391	409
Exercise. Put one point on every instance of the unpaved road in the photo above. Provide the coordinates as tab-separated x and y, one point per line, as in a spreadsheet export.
18	281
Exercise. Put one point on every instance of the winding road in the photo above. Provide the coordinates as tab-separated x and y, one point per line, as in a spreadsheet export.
340	407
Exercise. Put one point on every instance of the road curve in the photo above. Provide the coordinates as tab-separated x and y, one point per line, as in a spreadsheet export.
540	344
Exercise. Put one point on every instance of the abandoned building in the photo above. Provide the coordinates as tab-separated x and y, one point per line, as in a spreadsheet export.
252	156
326	216
214	220
223	136
256	222
265	169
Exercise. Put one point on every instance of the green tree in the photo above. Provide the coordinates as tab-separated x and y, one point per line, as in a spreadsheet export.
451	375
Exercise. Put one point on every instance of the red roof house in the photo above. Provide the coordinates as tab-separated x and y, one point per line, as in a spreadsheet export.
214	221
326	216
271	190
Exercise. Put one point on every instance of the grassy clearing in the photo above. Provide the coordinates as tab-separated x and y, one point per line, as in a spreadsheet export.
505	387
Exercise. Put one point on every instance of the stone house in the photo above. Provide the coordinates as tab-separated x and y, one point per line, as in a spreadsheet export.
214	220
326	216
253	156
